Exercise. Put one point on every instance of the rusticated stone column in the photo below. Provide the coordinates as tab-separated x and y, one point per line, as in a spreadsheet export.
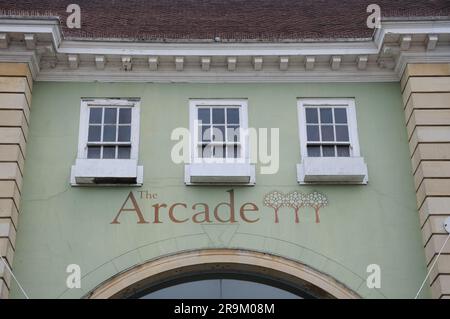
426	98
16	86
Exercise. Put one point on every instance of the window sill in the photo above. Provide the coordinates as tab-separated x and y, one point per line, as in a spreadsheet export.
106	172
332	170
220	174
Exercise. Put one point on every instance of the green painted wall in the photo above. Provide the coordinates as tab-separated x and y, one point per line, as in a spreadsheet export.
61	225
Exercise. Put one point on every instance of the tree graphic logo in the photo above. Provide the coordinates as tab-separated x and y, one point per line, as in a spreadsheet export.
275	200
296	201
317	200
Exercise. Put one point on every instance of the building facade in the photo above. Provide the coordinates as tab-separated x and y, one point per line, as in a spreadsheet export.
138	160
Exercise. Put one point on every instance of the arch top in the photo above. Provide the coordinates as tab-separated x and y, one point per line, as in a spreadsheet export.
172	267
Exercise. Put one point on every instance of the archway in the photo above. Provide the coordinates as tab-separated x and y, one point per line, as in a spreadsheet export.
260	268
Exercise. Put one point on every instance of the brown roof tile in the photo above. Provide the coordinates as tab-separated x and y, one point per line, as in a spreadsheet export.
232	20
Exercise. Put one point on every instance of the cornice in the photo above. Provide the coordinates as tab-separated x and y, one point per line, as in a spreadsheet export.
381	58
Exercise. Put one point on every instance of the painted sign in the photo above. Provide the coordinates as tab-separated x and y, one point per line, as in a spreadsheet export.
224	212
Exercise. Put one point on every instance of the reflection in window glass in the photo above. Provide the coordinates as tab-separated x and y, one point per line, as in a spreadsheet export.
110	116
204	115
313	132
109	132
233	133
124	152
311	115
218	133
124	133
313	151
95	115
328	151
326	115
94	134
327	131
342	133
220	126
218	115
221	289
93	152
206	151
343	151
205	133
233	151
233	116
219	151
109	152
125	116
340	115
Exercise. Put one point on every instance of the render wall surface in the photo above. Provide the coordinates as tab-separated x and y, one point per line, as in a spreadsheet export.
60	225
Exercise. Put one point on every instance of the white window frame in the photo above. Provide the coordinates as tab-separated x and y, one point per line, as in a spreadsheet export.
242	105
330	170
348	104
219	171
84	123
101	171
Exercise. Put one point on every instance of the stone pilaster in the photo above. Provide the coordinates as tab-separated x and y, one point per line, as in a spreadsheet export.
426	98
16	86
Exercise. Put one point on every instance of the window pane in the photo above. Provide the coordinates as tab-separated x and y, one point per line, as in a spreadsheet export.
219	152
205	133
326	116
327	133
233	151
94	133
311	115
313	151
328	151
205	151
218	116
233	116
218	133
125	116
124	152
342	133
95	115
343	151
233	133
93	152
313	132
340	115
124	133
203	116
109	133
109	152
110	115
